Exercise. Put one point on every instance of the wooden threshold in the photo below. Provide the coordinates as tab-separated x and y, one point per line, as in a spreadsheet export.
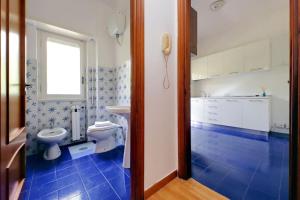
157	186
179	189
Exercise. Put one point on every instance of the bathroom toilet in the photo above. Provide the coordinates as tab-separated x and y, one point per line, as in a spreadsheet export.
52	137
103	136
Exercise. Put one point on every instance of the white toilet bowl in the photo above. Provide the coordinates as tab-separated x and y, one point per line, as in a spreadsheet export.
103	136
52	137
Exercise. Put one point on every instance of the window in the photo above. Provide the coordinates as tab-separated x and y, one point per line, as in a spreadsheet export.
61	67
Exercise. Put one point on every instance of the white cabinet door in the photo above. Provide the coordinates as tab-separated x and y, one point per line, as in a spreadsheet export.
280	50
215	65
199	68
232	112
257	56
197	110
256	114
233	61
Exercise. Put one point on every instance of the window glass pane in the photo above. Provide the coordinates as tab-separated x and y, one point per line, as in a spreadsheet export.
63	68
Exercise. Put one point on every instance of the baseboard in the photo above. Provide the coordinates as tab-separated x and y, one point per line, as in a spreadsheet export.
157	186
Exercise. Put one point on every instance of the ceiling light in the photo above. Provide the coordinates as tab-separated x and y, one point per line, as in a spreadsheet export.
217	5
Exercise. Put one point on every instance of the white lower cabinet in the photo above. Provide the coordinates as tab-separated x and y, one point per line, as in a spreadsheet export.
256	114
248	113
197	110
212	111
232	112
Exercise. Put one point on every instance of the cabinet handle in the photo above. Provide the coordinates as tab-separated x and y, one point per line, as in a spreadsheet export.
212	113
256	69
231	100
212	106
215	75
233	72
256	100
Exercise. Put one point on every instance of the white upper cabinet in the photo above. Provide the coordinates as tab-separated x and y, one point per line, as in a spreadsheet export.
280	50
257	56
252	57
215	65
233	61
199	68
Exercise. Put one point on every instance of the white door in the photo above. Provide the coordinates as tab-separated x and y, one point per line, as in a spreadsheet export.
233	61
256	114
257	56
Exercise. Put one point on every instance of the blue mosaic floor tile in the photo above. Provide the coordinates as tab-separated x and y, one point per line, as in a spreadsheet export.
240	166
97	176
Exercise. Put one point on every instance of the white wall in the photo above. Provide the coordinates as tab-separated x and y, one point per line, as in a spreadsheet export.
80	16
160	104
276	80
123	50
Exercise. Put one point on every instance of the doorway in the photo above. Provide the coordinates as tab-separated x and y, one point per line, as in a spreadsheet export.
184	91
11	184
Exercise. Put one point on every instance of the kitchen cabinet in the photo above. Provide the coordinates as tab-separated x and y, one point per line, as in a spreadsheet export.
197	111
212	112
232	112
257	56
193	32
199	68
233	61
242	112
214	65
256	114
280	50
252	57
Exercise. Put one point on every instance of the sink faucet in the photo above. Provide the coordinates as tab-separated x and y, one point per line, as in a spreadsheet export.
52	122
203	93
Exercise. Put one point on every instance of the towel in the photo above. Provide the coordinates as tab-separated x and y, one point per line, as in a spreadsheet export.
101	124
93	128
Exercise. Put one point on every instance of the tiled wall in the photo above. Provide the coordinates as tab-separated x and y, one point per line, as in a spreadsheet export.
123	79
105	86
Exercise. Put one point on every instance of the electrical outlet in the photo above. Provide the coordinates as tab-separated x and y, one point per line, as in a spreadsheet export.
281	125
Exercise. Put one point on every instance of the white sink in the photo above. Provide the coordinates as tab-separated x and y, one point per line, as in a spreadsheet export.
125	112
118	109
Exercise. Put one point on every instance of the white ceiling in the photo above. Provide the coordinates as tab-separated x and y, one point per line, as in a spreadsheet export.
234	13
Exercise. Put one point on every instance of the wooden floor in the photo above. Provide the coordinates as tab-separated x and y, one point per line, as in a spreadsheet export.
186	190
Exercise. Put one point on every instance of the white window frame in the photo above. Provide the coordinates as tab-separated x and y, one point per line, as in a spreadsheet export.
43	36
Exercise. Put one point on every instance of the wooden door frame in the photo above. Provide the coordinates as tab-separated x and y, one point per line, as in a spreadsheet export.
184	126
137	99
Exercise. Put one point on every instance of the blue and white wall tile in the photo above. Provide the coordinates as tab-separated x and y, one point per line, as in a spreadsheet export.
123	84
43	114
105	86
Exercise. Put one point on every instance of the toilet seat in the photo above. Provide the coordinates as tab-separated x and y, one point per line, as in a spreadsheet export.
103	136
